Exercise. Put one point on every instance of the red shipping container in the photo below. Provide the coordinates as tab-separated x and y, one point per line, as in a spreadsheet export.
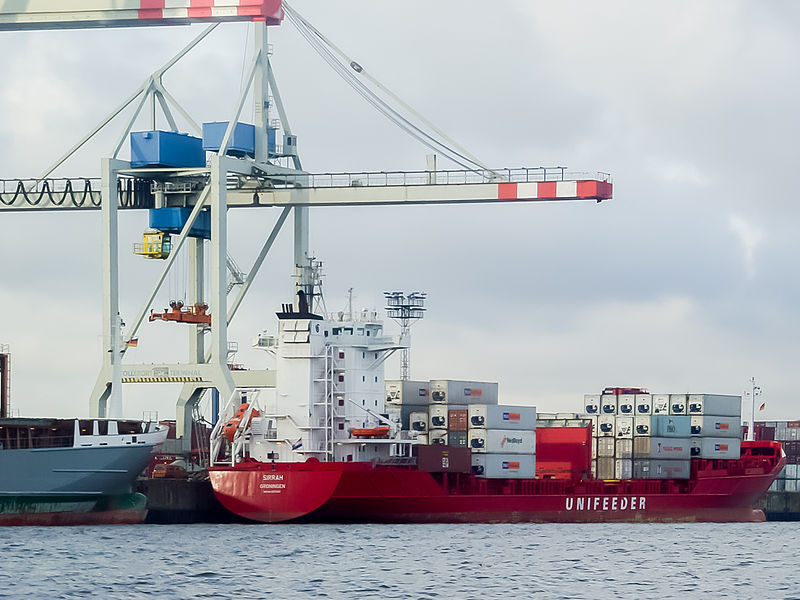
457	419
444	459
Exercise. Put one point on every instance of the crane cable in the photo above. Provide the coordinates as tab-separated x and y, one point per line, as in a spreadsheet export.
349	70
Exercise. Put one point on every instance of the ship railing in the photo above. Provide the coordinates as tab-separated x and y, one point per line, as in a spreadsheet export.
23	443
399	461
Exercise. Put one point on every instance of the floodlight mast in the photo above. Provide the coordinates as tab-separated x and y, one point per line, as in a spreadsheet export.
405	309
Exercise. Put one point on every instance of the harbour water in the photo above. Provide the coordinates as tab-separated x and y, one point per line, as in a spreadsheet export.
402	561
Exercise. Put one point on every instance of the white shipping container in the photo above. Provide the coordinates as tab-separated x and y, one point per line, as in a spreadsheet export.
643	404
791	485
791	471
662	448
594	448
660	404
407	392
624	427
449	391
709	426
715	404
504	466
501	416
695	446
779	485
422	438
624	449
438	436
591	404
608	404
623	468
594	468
641	426
678	404
418	421
502	441
438	416
605	426
606	447
661	469
625	403
721	448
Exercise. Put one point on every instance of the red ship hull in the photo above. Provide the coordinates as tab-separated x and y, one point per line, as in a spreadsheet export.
719	491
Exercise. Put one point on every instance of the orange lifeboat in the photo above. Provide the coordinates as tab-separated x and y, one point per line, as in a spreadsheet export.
378	432
230	427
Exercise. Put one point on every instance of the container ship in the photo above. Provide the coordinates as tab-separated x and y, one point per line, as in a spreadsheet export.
335	442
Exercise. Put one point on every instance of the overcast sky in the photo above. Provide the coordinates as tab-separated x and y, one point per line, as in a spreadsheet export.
685	282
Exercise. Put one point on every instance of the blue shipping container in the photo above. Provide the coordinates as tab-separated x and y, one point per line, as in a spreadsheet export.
166	149
675	426
243	139
172	220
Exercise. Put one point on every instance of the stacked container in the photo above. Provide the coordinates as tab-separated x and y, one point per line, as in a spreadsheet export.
788	480
448	391
717	421
502	440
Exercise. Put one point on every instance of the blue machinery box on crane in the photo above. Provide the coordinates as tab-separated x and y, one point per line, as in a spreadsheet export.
166	149
172	220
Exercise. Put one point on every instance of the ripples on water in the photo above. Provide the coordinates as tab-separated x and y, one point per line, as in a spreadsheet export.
593	561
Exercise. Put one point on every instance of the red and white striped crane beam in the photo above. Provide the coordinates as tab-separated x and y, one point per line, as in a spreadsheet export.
82	14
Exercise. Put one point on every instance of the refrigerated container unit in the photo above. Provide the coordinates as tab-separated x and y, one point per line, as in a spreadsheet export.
625	404
407	392
499	416
661	469
662	448
406	410
504	466
438	416
624	449
502	441
715	426
623	427
457	419
678	404
605	426
448	391
422	438
623	468
715	404
720	448
591	404
643	404
608	404
418	421
641	425
660	404
438	436
457	439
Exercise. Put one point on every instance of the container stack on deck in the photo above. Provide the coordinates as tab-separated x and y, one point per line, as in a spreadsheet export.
503	440
654	436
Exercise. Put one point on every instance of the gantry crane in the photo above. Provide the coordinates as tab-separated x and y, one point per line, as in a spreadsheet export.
227	181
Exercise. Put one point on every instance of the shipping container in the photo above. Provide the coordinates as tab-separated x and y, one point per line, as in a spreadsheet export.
418	421
791	485
605	468
715	404
720	448
623	468
625	404
422	439
661	469
408	392
606	447
457	439
591	419
716	426
594	447
660	404
546	416
499	416
641	425
457	419
779	485
670	426
448	391
623	427
443	459
594	468
791	471
502	441
695	446
662	448
608	404
643	404
591	404
406	410
438	416
605	426
678	404
624	449
438	436
504	466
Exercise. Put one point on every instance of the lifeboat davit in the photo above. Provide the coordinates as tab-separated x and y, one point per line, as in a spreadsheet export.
377	432
230	427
